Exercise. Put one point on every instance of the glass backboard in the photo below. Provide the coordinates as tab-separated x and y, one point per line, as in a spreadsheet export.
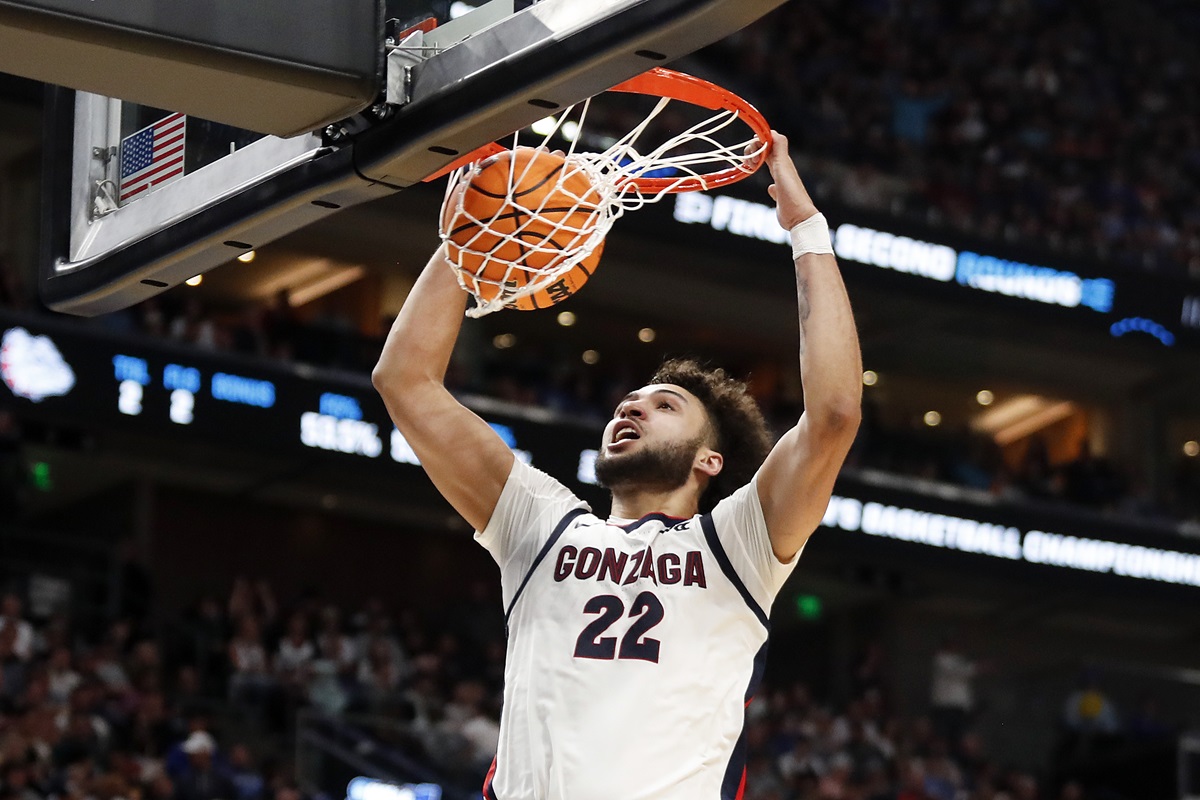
143	198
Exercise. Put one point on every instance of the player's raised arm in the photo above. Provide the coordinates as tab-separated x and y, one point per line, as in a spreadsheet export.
466	460
796	481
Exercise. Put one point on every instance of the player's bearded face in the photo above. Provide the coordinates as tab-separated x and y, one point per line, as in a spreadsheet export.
663	466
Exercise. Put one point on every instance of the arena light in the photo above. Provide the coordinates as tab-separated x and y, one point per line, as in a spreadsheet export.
247	256
544	126
647	335
590	356
984	397
327	284
1034	423
1017	417
306	279
504	341
195	280
1191	449
566	318
870	377
932	419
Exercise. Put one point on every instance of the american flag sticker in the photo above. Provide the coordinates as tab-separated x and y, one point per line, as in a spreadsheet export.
152	157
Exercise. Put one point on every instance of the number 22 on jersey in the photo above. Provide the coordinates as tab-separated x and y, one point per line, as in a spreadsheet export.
646	611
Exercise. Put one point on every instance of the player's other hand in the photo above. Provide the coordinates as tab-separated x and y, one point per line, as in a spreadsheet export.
792	203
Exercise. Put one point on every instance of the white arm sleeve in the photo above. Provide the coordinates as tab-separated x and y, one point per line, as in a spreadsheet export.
742	531
530	506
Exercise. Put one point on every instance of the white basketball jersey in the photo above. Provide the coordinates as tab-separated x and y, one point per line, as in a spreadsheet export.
633	649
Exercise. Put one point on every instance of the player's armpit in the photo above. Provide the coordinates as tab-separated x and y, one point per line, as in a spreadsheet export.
796	481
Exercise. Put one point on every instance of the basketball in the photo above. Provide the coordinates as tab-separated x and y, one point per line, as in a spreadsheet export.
523	212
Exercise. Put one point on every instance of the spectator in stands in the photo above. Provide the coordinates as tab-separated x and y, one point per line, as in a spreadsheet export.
837	779
248	782
63	679
152	318
249	334
207	637
160	787
1091	481
869	672
865	755
800	760
952	689
252	598
250	681
20	631
464	717
81	739
295	654
105	663
334	645
194	326
200	780
151	730
378	674
17	782
326	691
943	779
912	781
377	646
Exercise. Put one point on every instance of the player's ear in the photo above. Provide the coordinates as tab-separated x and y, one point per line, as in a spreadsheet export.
709	462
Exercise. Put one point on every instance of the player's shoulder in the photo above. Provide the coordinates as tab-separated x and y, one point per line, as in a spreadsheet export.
740	500
541	485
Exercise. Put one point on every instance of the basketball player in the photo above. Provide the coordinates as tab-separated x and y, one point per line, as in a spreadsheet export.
635	642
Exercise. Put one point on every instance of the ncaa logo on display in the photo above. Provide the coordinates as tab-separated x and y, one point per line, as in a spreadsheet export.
31	366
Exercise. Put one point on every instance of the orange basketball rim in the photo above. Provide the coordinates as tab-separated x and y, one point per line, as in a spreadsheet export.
673	85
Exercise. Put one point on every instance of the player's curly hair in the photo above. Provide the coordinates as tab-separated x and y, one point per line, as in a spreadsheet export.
738	427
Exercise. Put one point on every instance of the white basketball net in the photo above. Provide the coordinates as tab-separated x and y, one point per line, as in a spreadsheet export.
686	156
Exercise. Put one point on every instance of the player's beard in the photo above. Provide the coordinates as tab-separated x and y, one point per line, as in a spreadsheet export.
665	468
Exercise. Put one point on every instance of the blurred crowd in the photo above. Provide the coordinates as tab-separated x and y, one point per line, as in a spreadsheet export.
99	718
1049	123
203	707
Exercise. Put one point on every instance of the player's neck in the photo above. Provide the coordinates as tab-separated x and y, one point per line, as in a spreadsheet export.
635	503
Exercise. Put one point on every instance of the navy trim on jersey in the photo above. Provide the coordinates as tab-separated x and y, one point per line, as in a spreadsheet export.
710	534
735	772
665	519
558	531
